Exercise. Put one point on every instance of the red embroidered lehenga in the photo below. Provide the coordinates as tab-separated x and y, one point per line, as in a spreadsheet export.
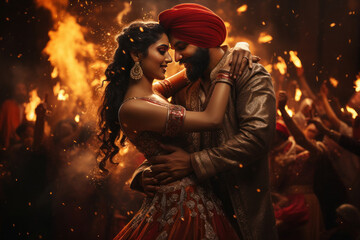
184	209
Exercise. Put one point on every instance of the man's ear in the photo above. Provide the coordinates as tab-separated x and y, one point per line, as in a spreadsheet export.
135	56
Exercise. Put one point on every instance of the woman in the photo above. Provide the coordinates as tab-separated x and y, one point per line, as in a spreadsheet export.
184	209
295	179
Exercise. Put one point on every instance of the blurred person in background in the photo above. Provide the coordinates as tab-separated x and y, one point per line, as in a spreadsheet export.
12	115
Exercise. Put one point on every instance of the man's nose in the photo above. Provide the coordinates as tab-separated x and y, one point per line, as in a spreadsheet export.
178	56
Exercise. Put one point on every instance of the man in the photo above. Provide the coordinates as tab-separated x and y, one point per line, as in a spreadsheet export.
12	115
234	158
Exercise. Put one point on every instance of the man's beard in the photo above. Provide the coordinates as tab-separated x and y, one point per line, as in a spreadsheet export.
197	64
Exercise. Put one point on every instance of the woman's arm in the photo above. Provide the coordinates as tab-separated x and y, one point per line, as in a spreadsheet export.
304	85
293	128
146	116
170	86
350	144
335	121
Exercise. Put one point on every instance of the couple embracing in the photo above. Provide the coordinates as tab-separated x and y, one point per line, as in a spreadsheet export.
206	173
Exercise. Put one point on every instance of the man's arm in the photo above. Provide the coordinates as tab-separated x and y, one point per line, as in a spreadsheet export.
256	116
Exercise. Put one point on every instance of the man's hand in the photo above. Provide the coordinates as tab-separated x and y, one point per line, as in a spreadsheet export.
282	100
319	125
171	167
149	183
240	59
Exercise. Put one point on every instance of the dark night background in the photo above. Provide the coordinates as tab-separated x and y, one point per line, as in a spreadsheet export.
296	25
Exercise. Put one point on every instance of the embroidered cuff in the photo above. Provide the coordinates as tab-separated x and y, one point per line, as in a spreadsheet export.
175	120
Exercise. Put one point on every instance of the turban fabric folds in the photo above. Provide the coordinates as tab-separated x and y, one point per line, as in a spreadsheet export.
194	24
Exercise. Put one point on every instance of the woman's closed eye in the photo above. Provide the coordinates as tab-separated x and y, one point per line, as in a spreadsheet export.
163	49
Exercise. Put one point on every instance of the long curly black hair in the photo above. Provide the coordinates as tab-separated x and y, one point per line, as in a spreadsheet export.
135	38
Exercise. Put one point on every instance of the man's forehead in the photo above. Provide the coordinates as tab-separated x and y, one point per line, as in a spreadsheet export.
175	41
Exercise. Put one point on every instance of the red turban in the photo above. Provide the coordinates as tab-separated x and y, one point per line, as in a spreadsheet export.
194	24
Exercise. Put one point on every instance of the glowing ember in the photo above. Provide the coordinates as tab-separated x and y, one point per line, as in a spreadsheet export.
294	58
126	10
62	96
31	106
334	82
265	38
242	9
352	111
332	24
298	94
77	118
281	65
357	83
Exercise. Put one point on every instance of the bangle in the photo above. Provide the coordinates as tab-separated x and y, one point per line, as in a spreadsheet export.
167	88
224	77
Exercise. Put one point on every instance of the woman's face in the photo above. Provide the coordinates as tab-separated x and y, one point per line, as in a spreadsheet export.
155	63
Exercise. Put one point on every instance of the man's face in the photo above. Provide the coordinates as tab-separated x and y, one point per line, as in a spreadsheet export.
195	59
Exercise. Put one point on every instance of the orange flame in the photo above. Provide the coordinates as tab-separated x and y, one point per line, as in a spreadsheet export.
298	94
228	26
62	96
289	111
352	111
294	58
126	10
265	38
54	73
31	106
268	68
242	9
67	50
281	65
56	89
53	6
334	82
357	83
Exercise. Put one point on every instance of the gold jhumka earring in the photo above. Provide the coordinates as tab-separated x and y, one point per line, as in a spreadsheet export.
136	72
